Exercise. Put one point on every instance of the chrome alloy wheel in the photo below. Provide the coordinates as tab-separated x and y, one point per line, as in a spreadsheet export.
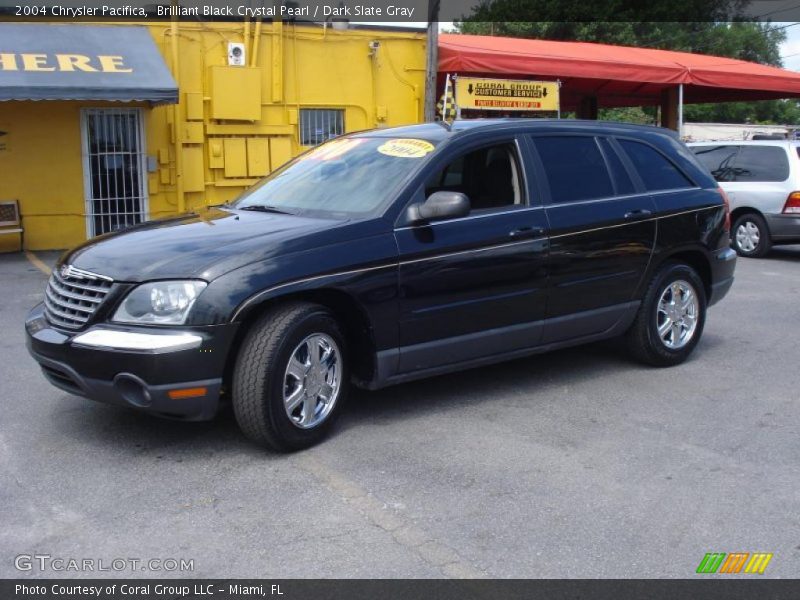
748	236
677	314
312	381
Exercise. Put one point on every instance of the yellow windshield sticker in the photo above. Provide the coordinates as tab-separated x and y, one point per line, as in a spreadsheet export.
334	149
406	148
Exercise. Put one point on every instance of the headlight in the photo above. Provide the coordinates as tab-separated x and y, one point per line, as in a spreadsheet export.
163	302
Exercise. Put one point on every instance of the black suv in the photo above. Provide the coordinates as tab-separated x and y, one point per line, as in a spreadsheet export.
390	255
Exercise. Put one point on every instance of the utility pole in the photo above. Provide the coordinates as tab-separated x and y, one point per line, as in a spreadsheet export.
431	60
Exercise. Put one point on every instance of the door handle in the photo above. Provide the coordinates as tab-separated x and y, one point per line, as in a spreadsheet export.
527	232
637	214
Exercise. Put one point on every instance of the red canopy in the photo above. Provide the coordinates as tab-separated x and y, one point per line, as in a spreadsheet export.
616	75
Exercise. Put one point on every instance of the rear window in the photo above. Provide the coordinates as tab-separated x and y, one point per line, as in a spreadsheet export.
719	160
575	168
656	171
728	162
761	163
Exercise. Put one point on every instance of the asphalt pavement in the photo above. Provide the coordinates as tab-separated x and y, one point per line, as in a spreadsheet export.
579	463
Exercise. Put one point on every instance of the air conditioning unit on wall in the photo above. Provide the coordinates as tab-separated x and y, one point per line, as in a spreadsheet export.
236	57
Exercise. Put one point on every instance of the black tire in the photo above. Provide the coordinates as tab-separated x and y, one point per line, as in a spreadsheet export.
749	221
643	339
259	376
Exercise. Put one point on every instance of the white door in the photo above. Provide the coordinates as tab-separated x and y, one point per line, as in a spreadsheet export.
114	168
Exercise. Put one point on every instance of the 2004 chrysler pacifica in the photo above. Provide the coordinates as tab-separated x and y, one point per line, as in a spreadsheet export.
389	255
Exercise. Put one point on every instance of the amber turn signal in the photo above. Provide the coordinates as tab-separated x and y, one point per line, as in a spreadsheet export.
187	393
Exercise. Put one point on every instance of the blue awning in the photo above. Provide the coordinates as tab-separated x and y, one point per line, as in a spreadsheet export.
82	62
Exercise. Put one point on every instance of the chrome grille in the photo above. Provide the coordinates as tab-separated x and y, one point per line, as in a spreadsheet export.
73	295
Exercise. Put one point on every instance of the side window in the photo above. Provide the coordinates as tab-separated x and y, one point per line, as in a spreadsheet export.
621	177
761	163
575	168
656	171
490	177
719	160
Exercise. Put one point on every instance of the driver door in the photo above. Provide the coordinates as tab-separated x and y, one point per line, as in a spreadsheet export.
474	286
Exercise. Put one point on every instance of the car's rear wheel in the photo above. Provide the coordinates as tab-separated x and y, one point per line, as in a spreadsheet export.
290	379
671	317
750	236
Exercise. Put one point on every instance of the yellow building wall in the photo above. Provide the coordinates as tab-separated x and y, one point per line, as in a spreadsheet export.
228	136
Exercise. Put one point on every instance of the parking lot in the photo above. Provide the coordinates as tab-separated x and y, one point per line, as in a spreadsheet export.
579	463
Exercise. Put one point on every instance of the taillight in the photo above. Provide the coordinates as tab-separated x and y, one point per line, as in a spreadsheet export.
792	204
727	208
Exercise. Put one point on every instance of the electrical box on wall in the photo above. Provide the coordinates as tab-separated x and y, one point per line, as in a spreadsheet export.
236	55
236	93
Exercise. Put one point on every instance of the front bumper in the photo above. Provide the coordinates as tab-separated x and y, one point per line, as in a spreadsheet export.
113	365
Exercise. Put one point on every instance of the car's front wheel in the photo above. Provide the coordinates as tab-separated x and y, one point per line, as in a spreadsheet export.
751	236
290	378
671	317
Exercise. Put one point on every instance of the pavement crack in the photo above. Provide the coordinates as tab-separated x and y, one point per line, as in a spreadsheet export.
378	514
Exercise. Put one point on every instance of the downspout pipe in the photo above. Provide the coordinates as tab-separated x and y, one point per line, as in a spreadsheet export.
256	40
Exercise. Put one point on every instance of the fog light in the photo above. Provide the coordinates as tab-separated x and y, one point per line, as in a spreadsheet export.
132	389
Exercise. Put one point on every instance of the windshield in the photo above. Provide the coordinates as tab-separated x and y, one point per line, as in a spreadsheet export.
344	177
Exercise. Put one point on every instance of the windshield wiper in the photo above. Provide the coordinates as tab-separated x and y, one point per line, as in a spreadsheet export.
265	208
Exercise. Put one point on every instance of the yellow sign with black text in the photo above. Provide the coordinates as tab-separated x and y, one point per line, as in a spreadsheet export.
506	94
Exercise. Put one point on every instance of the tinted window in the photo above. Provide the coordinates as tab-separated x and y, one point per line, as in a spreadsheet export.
656	171
575	168
761	163
719	160
621	178
489	177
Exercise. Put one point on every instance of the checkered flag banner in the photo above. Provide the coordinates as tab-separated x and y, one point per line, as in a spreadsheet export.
446	107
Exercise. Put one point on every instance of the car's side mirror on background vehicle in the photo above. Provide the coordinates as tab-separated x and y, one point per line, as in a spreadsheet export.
438	206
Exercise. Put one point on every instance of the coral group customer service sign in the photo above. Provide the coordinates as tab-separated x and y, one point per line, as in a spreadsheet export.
506	94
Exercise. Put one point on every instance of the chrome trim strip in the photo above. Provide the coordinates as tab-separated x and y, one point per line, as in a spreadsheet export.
84	309
61	290
517	208
622	197
59	313
263	293
81	286
71	271
637	221
156	343
471	251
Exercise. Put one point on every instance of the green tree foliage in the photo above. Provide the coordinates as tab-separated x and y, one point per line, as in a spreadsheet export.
702	26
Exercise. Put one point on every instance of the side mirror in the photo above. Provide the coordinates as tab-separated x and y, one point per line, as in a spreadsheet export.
440	205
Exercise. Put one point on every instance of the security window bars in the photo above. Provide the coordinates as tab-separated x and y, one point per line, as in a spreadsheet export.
318	125
114	173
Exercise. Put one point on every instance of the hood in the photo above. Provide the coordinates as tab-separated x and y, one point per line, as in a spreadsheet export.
202	245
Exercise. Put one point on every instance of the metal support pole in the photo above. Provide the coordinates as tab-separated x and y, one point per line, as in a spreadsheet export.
177	125
431	60
680	110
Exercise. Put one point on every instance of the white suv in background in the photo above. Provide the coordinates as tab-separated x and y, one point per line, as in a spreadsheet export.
762	181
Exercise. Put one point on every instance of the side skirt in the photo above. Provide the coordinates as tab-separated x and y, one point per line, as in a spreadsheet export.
388	360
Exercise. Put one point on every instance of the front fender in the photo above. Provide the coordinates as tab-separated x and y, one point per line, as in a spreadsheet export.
365	269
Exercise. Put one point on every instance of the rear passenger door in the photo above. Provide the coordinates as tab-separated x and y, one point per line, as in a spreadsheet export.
602	233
